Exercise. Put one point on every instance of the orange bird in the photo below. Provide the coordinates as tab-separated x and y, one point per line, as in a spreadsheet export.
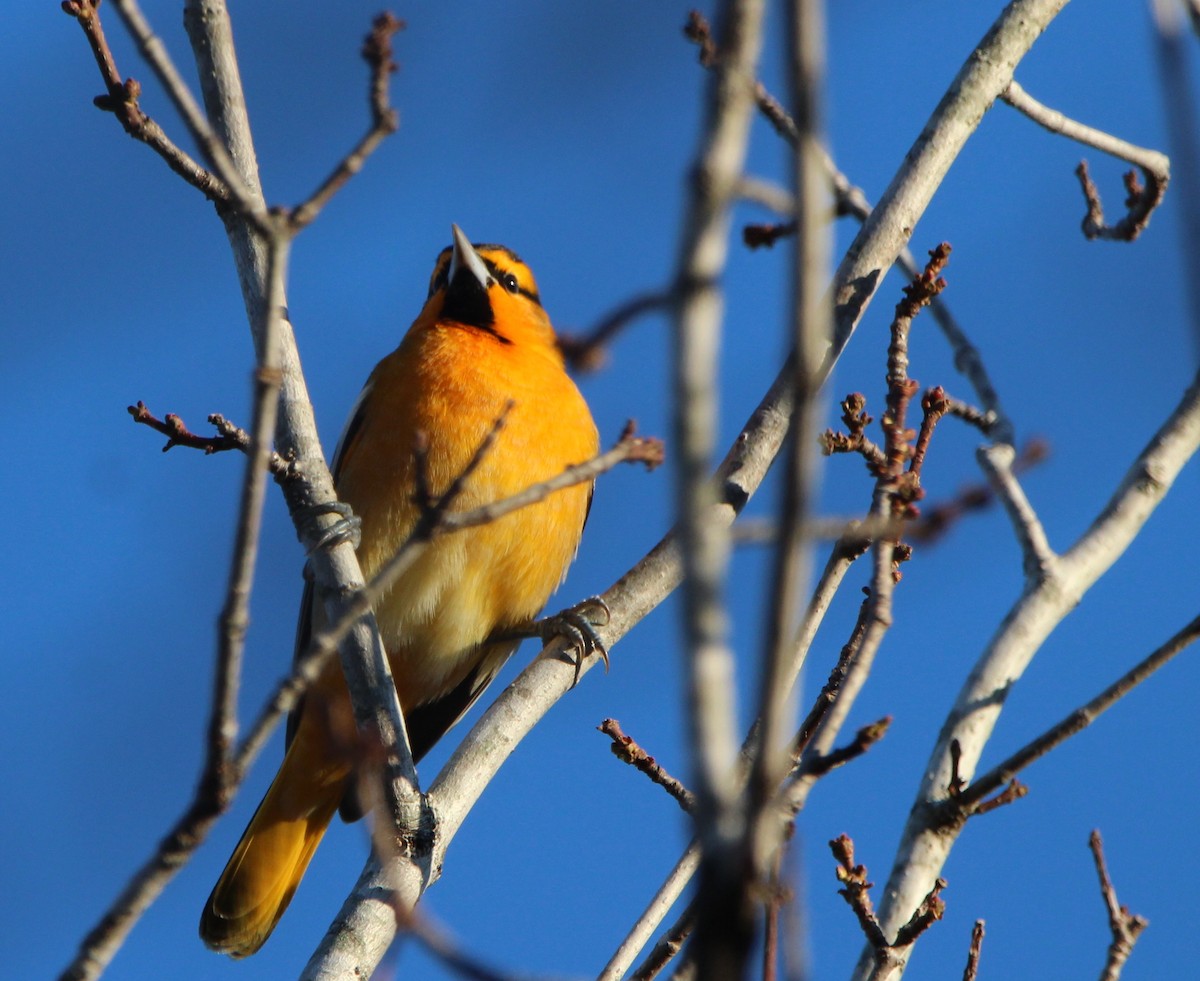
481	341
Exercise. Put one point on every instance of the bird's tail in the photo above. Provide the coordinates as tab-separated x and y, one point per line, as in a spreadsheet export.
270	860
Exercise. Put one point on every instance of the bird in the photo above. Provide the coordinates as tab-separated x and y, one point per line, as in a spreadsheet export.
481	348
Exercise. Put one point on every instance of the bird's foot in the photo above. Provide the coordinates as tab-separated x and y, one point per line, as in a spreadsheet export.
577	626
348	529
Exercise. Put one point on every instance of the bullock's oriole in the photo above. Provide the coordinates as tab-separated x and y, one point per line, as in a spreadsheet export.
481	342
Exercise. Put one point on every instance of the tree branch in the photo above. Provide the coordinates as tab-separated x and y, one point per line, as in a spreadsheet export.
926	841
640	590
264	243
1126	927
1154	165
724	918
810	317
627	750
968	800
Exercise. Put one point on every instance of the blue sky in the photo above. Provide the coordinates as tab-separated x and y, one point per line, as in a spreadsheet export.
566	131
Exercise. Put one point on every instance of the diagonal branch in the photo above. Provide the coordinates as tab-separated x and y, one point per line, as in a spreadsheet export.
377	52
121	98
982	787
998	462
1046	600
244	195
986	73
626	749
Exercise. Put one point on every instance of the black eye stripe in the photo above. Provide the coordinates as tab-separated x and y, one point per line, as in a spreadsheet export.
498	274
441	278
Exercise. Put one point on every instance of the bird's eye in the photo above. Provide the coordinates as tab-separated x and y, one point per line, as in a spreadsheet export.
509	282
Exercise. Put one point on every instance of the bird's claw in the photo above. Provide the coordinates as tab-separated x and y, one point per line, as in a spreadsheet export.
348	529
577	626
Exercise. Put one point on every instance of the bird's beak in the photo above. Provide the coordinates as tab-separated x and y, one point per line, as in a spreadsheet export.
466	258
467	285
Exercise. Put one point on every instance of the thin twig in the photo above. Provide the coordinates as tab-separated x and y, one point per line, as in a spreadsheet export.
1038	558
235	612
887	955
810	317
247	202
1074	723
938	517
856	890
864	739
1141	201
833	685
778	896
586	352
667	947
1126	927
646	450
178	434
971	971
122	100
627	750
647	923
377	52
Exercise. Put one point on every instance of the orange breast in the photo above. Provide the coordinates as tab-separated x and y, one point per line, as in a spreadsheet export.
452	383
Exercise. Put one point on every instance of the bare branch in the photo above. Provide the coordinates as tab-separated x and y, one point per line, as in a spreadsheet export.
628	751
121	99
377	52
1038	558
724	917
886	955
1175	84
586	352
647	923
810	317
1126	927
668	947
1141	201
1041	607
178	434
936	518
864	739
245	196
967	802
971	971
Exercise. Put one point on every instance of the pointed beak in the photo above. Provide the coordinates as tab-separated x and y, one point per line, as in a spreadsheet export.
466	258
467	285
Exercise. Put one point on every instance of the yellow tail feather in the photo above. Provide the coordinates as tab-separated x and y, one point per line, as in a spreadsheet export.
270	860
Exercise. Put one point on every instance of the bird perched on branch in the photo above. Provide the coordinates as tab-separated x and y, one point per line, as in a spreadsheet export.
481	347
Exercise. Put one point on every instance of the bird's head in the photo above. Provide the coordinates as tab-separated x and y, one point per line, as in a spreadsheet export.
488	288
